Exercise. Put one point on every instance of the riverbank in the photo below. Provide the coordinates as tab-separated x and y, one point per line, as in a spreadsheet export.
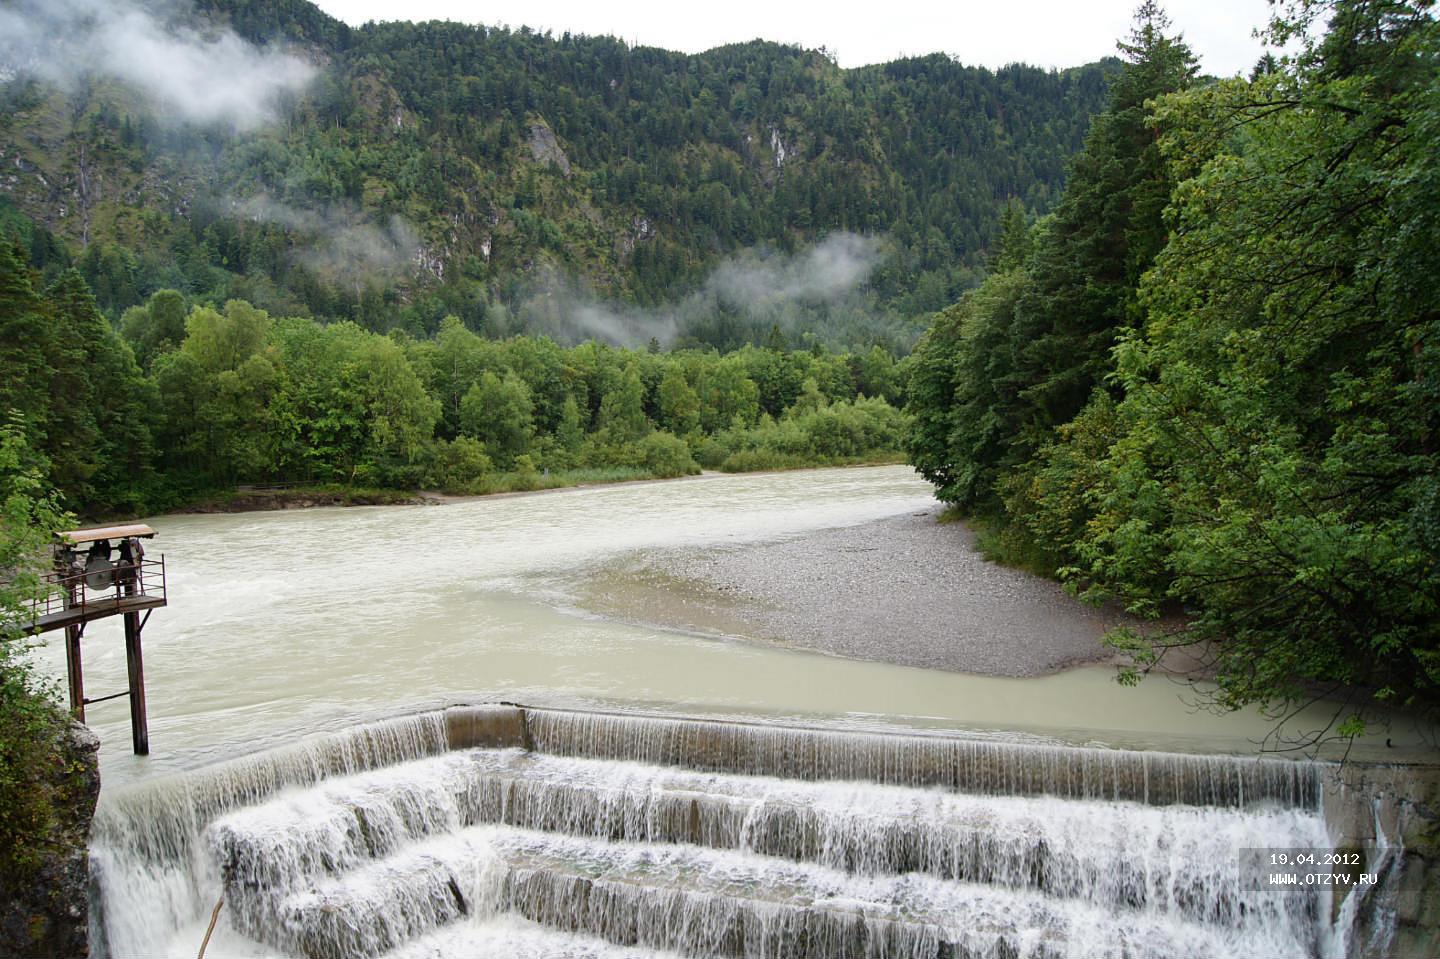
317	619
258	498
906	590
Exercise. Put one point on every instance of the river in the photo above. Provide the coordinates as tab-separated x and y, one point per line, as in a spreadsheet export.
287	623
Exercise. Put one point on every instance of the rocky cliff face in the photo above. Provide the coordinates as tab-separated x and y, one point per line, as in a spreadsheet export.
47	914
1392	815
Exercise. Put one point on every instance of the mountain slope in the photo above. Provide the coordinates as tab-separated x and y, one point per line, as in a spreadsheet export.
437	167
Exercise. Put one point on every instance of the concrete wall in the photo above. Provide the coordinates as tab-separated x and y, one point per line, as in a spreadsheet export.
1393	814
1389	812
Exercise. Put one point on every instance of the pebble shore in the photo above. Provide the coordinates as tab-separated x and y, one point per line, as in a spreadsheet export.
905	590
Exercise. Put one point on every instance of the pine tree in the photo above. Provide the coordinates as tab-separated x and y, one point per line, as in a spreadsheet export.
1104	235
1021	355
101	407
24	334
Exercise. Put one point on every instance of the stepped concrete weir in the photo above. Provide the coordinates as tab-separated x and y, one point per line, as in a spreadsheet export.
506	830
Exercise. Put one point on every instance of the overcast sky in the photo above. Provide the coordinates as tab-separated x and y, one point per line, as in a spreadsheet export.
1058	33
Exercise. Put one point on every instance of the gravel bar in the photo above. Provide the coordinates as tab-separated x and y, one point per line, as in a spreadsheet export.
906	590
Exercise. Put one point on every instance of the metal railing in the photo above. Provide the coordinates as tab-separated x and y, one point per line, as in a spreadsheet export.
71	591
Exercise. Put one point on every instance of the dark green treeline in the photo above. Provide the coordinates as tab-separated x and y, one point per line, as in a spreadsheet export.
222	396
1209	383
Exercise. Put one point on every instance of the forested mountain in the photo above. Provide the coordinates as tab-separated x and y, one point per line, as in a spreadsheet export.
421	170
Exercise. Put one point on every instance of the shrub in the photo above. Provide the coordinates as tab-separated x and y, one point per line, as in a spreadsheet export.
666	455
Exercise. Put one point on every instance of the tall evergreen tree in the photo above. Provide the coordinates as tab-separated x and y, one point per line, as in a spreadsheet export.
24	332
99	426
1021	355
73	436
1103	236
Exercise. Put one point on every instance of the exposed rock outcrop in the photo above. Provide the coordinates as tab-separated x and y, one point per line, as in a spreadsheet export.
47	914
546	149
1392	815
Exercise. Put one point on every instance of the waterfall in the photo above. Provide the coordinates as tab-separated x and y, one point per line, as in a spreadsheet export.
149	873
972	766
554	833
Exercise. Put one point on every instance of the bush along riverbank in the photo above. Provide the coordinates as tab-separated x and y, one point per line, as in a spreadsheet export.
252	498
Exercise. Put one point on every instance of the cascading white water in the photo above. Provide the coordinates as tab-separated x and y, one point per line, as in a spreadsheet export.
644	834
150	873
969	765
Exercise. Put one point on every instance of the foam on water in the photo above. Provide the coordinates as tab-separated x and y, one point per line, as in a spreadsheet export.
624	835
150	874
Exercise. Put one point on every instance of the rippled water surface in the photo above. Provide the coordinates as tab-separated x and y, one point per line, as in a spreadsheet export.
292	622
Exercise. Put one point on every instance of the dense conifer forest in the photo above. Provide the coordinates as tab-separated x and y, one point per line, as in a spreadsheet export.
1181	347
434	169
472	258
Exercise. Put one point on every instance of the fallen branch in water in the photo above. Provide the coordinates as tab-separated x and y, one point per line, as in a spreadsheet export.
214	915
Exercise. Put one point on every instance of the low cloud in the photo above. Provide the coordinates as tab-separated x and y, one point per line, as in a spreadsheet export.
828	271
214	77
754	290
338	241
569	312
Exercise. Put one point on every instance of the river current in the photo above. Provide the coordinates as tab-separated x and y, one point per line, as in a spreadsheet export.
288	623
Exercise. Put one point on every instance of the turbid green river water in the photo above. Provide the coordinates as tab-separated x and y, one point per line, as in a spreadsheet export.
287	623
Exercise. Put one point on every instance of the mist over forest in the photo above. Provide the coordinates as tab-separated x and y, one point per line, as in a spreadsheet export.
395	174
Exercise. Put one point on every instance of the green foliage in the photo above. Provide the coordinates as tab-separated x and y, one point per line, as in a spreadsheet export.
667	456
29	725
349	407
1105	233
24	332
32	515
1022	354
861	430
81	400
1051	503
728	396
679	403
622	409
525	476
155	328
663	164
1278	445
243	397
216	392
965	394
1257	449
498	412
455	466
